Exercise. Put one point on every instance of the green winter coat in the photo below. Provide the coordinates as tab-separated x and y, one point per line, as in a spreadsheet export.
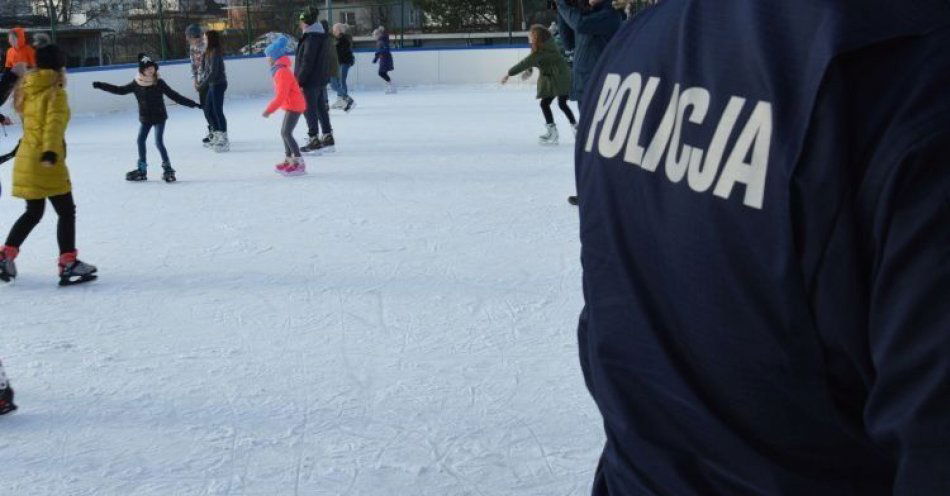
333	60
45	114
555	77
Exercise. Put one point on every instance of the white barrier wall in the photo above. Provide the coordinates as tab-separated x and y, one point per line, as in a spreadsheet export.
249	75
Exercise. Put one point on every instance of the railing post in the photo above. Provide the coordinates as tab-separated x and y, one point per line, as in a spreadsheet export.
161	27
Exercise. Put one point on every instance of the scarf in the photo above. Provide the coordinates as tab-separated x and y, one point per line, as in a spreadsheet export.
141	80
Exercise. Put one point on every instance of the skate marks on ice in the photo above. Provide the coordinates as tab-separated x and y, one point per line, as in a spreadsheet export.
402	322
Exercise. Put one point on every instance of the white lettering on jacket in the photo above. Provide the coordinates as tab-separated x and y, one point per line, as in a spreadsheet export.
617	127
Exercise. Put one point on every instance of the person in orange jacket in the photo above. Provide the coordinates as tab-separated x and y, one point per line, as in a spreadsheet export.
20	51
289	97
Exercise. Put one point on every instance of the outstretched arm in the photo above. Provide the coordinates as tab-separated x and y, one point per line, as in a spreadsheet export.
116	90
175	96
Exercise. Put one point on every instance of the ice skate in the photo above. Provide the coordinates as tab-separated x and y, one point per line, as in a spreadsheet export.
327	143
140	173
282	167
7	266
313	147
6	396
220	142
572	200
74	271
350	104
207	140
339	104
296	168
390	89
168	174
550	137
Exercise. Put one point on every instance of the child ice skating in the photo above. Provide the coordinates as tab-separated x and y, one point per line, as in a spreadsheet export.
149	89
6	393
287	97
213	79
554	80
39	170
344	53
384	57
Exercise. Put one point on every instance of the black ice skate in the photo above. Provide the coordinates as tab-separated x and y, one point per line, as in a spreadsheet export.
328	145
139	174
168	174
7	267
74	271
572	200
313	146
6	394
6	400
350	104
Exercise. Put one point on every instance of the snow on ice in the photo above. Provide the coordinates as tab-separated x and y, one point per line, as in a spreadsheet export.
401	321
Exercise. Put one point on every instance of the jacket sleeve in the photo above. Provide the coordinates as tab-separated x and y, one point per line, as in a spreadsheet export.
525	64
908	408
281	92
8	62
175	96
603	22
55	120
117	90
569	13
567	34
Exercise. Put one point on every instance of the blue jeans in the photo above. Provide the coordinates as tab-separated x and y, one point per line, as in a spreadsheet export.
159	140
216	104
339	84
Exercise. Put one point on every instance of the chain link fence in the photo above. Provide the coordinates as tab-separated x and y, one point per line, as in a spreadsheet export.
104	32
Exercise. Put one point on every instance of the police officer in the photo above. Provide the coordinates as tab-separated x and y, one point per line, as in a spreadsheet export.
765	222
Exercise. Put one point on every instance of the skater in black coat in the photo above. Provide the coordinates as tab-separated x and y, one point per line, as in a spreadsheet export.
6	393
150	90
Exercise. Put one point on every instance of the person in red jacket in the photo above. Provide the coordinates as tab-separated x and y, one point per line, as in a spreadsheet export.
20	51
289	97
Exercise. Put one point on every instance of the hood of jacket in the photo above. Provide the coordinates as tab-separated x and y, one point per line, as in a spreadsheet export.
20	37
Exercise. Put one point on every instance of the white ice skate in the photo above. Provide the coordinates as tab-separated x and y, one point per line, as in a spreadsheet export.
339	104
220	143
550	137
390	89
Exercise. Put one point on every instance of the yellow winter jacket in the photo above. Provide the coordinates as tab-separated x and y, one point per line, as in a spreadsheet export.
45	112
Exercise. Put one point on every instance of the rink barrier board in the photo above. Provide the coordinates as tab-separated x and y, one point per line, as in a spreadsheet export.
248	76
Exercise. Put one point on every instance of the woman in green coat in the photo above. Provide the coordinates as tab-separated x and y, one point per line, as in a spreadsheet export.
554	80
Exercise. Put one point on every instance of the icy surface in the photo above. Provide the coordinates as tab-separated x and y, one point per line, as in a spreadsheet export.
398	322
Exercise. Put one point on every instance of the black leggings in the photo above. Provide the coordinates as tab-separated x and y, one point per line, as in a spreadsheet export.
287	134
65	229
561	102
385	75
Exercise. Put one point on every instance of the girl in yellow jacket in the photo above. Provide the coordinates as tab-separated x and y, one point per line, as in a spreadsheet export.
39	169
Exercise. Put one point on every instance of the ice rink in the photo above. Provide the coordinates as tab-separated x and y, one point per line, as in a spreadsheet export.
401	321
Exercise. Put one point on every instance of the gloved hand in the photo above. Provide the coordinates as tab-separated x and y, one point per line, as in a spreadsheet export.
48	158
97	85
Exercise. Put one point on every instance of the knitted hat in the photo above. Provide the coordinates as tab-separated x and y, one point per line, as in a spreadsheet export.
309	16
145	62
277	49
50	57
193	31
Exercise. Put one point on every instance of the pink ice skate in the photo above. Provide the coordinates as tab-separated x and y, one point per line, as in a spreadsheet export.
282	167
297	168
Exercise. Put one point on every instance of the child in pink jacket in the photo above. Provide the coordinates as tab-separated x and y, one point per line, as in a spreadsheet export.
287	96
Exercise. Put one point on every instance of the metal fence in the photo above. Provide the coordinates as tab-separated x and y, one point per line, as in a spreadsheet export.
125	28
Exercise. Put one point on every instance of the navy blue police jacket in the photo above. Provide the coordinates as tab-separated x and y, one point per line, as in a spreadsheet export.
765	226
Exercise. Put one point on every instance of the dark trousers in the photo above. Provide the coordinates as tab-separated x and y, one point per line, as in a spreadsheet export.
385	75
318	110
562	103
203	100
216	106
287	133
159	141
65	229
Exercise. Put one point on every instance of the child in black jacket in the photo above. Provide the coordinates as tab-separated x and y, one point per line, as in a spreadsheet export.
150	91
